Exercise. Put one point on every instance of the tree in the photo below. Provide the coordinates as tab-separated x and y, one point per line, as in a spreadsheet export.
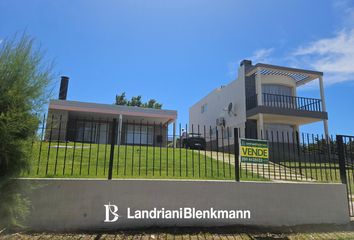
24	81
137	102
157	105
150	103
121	100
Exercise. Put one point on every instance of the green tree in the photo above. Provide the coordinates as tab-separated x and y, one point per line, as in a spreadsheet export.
157	105
151	103
137	102
121	100
24	81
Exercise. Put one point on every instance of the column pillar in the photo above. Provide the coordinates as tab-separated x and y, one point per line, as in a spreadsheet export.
259	88
260	126
120	123
174	133
324	109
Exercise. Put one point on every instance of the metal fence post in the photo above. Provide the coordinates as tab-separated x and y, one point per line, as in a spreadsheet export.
298	150
113	142
237	153
341	156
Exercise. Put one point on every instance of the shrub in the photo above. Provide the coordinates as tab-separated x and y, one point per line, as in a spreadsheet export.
24	81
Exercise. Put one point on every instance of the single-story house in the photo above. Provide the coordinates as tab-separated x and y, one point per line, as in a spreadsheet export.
93	122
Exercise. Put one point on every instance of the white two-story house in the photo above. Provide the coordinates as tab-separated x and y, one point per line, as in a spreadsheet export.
262	98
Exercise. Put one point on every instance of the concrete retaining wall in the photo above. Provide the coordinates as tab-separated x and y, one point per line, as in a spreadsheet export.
79	204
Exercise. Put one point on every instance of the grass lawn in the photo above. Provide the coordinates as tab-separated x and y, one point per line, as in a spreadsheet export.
77	160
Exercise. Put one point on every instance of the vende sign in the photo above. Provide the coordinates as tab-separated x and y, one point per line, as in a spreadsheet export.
254	151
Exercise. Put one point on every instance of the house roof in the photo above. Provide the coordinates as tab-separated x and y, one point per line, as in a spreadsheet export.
301	76
112	109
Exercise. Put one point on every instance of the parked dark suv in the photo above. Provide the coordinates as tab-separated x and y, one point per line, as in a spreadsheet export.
194	141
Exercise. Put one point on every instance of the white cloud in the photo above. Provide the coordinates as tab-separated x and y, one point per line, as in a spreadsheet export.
345	10
261	55
334	56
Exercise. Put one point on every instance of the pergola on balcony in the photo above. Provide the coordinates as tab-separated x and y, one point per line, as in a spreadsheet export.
262	103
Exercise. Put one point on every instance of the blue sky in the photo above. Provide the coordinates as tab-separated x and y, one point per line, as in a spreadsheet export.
178	51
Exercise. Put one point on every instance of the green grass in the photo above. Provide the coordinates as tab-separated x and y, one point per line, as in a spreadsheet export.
77	160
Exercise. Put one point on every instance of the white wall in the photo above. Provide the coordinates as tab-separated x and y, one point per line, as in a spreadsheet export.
279	80
219	99
73	205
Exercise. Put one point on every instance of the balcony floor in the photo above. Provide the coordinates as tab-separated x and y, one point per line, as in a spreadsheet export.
285	119
279	111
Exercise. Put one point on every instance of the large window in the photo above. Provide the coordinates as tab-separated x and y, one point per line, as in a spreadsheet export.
94	132
86	131
277	89
136	134
277	95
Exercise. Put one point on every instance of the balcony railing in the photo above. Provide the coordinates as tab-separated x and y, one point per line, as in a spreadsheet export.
284	101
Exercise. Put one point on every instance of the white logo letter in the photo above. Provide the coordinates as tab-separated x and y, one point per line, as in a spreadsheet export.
188	213
111	209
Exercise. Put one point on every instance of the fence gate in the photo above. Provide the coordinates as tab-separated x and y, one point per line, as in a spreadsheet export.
345	145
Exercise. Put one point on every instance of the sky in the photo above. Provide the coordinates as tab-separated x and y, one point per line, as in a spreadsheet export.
178	51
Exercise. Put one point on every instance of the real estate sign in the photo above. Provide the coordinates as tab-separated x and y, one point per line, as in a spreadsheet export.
254	151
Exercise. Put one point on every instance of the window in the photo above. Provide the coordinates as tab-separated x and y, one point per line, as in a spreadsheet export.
135	135
204	108
91	131
277	95
277	89
86	131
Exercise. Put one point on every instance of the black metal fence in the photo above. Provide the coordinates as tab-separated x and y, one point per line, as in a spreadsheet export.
284	101
345	145
298	156
129	149
111	148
